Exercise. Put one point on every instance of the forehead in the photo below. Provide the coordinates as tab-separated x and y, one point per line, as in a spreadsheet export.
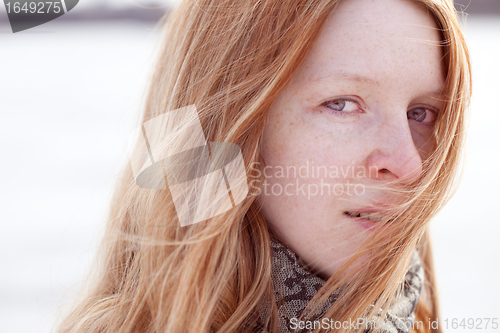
378	41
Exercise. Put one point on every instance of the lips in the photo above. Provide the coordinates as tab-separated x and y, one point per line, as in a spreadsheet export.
378	214
372	216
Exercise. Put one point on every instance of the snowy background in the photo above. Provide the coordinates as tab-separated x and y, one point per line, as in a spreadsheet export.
69	97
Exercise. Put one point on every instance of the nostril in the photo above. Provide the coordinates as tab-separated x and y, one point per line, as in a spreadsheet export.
384	170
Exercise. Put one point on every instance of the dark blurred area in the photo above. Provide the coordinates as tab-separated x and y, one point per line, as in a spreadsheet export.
102	11
155	11
478	7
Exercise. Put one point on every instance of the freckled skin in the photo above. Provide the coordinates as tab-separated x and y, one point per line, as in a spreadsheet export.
386	41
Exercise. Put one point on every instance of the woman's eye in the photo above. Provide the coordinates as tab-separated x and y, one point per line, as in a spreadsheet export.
342	105
422	115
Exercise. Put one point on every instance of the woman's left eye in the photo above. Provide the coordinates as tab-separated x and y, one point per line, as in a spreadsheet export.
422	115
342	105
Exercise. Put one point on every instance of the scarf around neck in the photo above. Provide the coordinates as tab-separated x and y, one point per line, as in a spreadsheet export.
295	285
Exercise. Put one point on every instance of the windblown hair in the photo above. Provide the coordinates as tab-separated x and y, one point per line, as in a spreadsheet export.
231	59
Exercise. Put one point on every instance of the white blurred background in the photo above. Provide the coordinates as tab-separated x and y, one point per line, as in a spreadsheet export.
70	93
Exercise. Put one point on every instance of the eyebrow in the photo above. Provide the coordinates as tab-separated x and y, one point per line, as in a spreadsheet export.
343	75
339	74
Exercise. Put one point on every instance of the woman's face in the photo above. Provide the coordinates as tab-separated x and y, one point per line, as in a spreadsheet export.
359	111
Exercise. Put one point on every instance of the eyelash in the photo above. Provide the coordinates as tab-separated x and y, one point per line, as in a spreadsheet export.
428	109
346	114
342	113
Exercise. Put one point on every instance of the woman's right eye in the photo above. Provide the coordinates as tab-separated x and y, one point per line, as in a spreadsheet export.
422	115
343	105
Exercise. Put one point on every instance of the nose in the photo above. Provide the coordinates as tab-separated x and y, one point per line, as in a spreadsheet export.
395	156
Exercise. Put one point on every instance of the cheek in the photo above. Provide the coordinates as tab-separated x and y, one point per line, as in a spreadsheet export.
293	146
290	146
282	134
314	144
298	158
424	141
292	138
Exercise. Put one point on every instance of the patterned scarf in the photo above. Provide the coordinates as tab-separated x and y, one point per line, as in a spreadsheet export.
295	284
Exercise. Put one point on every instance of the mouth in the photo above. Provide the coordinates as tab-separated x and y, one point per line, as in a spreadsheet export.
372	216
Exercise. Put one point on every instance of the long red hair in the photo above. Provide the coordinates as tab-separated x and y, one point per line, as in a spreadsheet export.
231	58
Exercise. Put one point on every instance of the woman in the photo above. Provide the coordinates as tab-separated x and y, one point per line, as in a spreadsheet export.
350	119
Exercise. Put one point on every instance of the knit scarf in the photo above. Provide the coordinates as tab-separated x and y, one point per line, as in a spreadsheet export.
295	284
